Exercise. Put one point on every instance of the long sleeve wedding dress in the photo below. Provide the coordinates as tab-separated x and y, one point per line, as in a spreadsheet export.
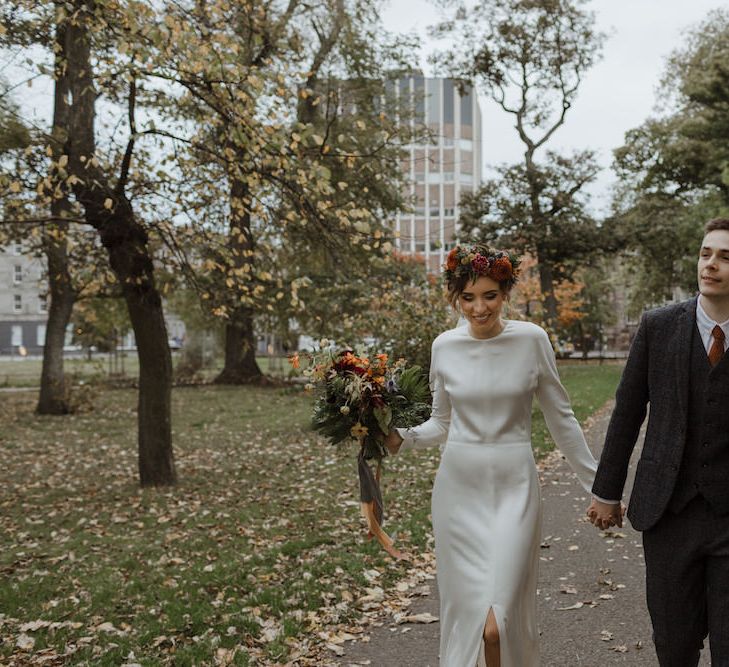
486	501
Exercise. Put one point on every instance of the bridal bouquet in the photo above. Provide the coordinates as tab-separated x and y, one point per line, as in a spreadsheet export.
359	399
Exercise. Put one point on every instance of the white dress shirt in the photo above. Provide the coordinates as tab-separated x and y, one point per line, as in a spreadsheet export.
706	325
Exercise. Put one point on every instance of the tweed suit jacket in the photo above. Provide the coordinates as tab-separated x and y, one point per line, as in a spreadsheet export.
656	374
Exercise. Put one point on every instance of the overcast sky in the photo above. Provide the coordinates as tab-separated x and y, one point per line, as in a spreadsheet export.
617	94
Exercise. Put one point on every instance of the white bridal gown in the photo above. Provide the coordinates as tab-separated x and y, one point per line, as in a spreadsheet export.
486	504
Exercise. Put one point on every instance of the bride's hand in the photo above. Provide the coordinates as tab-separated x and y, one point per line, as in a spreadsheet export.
605	515
393	440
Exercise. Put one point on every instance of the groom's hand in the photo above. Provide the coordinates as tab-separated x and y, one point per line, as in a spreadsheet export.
605	515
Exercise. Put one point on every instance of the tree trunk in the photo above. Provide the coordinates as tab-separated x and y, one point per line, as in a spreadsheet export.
240	342
108	210
541	222
54	396
240	352
129	257
549	300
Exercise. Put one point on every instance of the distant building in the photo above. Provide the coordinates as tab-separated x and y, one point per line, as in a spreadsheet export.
23	305
442	170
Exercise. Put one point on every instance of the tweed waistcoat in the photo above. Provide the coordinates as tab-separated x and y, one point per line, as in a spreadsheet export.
704	466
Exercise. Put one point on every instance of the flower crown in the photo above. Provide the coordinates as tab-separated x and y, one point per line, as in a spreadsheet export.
475	262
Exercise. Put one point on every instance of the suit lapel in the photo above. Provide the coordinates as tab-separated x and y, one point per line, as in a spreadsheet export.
682	355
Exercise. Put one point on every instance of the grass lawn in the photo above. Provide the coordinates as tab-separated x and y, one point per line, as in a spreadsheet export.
589	385
19	372
256	557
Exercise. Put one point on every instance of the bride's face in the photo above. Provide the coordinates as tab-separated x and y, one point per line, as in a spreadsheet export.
481	303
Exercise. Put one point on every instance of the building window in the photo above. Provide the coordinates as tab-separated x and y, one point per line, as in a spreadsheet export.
405	92
419	99
17	274
466	110
42	304
16	335
17	303
432	90
40	335
448	101
17	248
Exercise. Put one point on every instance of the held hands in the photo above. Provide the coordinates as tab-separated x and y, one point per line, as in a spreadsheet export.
393	442
605	515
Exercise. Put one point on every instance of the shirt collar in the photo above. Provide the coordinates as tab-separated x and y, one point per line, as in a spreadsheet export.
705	323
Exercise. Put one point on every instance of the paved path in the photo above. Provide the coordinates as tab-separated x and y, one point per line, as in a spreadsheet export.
591	590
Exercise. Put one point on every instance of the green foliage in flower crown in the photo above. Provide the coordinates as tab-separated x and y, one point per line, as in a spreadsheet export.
361	401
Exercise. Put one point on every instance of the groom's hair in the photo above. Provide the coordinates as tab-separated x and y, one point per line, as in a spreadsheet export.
716	223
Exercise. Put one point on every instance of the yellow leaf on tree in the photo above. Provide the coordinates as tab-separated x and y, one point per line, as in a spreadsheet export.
362	227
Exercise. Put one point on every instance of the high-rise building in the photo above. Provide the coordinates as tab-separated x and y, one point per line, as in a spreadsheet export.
442	169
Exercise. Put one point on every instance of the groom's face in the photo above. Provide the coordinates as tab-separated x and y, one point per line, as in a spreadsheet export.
713	265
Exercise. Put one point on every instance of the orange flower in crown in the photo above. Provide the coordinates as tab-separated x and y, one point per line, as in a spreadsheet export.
452	262
501	269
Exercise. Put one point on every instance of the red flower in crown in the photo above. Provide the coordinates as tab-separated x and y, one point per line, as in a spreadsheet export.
480	264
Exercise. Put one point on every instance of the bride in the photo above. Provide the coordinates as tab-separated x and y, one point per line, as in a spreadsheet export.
486	504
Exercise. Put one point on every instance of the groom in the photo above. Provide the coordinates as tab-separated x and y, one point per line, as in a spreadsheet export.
680	499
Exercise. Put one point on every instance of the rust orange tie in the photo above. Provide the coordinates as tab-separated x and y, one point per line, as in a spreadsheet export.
717	346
